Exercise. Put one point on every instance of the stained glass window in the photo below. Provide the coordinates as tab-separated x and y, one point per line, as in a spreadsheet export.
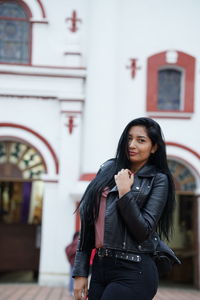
184	179
14	33
169	89
18	160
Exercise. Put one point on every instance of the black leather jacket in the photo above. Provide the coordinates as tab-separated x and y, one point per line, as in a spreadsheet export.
130	222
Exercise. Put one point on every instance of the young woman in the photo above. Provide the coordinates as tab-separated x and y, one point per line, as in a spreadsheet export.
131	198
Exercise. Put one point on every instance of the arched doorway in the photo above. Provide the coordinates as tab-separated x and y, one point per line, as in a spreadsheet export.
21	194
185	237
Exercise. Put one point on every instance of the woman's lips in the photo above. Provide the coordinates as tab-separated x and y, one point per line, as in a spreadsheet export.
132	153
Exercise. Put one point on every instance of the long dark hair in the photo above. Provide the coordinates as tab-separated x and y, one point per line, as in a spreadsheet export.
91	199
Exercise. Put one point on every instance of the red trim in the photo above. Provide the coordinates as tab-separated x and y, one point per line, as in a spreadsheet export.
77	219
185	162
42	8
17	139
184	147
13	125
170	117
72	100
72	53
87	176
50	181
28	96
185	62
39	22
25	7
46	67
30	43
41	75
71	111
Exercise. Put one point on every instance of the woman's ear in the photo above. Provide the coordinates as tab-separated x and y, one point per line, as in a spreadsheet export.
154	148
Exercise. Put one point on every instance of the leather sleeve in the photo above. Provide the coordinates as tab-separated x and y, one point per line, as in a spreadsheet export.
141	222
81	263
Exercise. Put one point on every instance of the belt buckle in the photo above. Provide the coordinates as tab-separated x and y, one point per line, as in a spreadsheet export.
99	253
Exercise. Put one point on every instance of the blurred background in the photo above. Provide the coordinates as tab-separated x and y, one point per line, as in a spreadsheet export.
73	73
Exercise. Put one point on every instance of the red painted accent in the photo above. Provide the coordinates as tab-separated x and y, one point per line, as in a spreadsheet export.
28	96
170	117
87	176
185	62
184	147
42	8
185	162
72	100
77	219
71	111
39	22
72	53
25	7
41	75
47	67
71	124
50	181
17	139
13	125
133	67
73	21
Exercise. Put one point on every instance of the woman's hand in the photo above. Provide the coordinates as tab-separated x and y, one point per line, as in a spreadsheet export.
80	288
124	180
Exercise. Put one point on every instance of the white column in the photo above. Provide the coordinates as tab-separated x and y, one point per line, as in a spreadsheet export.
59	219
49	232
101	93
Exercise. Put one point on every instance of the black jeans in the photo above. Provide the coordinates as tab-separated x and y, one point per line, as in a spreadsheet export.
115	279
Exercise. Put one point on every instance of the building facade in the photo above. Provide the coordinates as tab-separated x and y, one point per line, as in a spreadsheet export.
72	74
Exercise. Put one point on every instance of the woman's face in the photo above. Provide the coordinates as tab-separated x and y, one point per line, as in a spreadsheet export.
140	147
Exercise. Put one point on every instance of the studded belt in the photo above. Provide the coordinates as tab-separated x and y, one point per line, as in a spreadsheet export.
104	252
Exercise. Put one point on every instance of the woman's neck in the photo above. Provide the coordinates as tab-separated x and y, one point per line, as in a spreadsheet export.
136	168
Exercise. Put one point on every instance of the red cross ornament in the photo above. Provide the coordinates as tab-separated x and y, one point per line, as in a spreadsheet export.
133	66
73	21
71	124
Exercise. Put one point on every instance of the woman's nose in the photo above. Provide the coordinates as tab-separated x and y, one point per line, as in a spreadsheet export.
132	144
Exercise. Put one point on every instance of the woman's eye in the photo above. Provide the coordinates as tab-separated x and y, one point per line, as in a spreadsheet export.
141	140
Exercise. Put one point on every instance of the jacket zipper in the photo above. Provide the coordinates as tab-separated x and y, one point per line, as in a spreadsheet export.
83	234
125	236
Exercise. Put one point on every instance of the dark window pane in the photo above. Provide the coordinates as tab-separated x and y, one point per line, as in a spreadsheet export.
12	10
169	89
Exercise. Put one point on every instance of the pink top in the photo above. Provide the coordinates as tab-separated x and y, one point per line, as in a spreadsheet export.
99	225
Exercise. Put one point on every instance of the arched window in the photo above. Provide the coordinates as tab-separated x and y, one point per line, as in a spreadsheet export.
170	85
169	89
15	31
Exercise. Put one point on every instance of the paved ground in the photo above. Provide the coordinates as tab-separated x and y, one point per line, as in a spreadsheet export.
35	292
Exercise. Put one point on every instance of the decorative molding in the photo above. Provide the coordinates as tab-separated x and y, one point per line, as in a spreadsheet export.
183	147
73	21
28	96
42	8
87	176
41	75
133	67
43	66
70	123
22	127
71	112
